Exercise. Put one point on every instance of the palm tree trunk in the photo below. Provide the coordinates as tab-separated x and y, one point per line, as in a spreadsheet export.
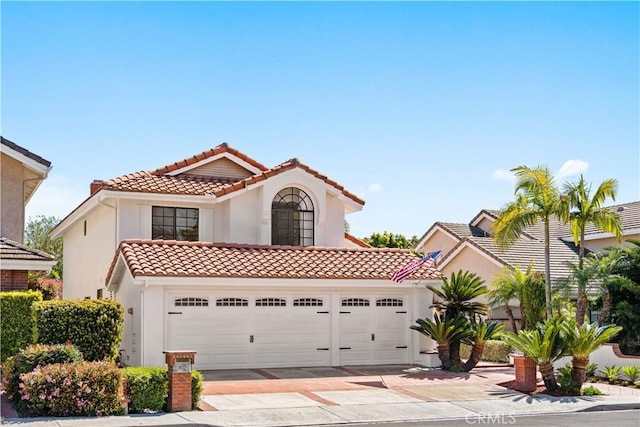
523	317
454	352
547	267
546	370
445	357
512	319
606	308
579	371
474	358
583	302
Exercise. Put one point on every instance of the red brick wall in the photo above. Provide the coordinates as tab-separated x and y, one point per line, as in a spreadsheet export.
13	280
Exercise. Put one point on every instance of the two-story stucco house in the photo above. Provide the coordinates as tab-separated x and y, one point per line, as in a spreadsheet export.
249	266
21	173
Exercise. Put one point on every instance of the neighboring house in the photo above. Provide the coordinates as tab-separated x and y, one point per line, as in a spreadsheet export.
247	265
472	247
21	173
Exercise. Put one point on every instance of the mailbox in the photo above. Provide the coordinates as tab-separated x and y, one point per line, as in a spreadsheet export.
182	366
179	372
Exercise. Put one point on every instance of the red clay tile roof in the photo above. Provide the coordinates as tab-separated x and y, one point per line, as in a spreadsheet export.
156	182
196	259
219	149
146	182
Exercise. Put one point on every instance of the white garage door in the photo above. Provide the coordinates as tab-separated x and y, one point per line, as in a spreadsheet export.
251	332
373	330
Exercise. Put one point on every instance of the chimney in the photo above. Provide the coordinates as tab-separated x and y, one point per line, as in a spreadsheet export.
95	186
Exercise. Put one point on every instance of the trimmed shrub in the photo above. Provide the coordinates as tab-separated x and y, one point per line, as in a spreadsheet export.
494	351
36	355
146	388
17	323
80	389
94	326
196	388
591	391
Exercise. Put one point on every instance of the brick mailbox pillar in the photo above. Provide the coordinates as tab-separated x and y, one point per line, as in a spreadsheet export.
525	367
179	369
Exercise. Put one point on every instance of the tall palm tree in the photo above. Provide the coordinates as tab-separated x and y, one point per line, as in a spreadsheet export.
537	199
508	285
456	299
582	209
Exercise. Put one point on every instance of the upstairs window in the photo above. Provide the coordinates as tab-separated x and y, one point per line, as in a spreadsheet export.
292	218
174	223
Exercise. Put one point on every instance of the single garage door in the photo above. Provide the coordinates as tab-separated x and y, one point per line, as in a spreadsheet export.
373	330
229	332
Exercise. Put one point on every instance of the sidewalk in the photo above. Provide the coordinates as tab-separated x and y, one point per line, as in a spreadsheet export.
316	396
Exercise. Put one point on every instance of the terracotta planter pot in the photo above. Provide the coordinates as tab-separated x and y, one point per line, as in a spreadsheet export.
525	373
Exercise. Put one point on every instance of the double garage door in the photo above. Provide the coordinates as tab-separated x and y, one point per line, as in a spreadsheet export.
240	331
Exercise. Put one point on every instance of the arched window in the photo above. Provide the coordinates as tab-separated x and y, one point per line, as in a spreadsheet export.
292	218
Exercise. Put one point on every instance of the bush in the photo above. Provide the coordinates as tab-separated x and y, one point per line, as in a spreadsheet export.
494	351
591	391
566	385
36	355
196	388
591	369
631	372
146	388
94	326
17	323
81	389
612	373
49	287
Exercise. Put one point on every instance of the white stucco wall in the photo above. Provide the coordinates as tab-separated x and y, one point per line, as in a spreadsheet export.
604	356
87	257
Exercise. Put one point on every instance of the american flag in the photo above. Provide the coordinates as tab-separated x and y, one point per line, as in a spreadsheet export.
409	269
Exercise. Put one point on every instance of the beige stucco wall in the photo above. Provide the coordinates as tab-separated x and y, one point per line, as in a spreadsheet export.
438	241
599	244
12	199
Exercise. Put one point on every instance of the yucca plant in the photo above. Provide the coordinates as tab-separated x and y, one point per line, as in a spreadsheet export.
584	340
591	369
612	373
545	344
481	333
632	373
444	331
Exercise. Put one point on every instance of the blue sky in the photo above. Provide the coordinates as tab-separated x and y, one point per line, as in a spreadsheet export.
418	108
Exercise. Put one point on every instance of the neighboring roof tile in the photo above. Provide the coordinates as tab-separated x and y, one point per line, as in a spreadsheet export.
629	214
25	152
222	148
196	259
10	250
462	230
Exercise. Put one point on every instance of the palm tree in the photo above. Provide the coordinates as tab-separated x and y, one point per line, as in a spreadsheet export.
444	332
481	333
537	199
456	295
603	268
583	209
507	286
584	340
544	344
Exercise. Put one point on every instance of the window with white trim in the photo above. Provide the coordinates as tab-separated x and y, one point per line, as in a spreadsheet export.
292	218
191	302
232	302
271	302
307	302
355	302
389	302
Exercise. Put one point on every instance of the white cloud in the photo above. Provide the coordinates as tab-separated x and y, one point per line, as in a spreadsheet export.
374	188
503	175
56	196
572	167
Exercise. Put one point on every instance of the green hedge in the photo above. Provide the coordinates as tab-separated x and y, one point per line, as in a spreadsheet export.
36	355
80	389
147	388
94	326
17	322
494	351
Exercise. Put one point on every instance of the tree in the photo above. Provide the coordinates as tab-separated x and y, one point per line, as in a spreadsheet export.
390	240
36	235
507	286
457	296
537	199
582	209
